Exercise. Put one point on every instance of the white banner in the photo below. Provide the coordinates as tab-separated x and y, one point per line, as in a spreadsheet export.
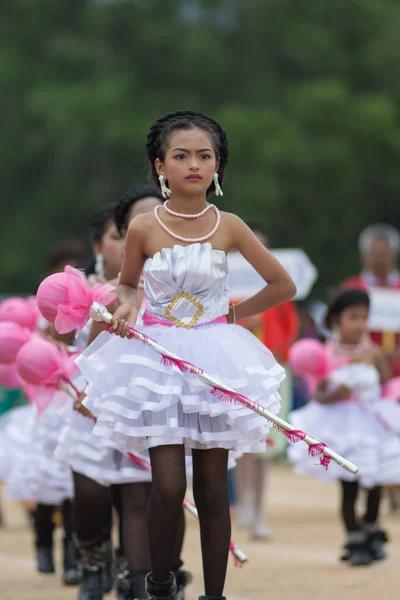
384	313
244	281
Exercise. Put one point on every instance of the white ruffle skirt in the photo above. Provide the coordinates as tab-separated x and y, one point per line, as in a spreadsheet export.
98	459
33	473
141	403
354	432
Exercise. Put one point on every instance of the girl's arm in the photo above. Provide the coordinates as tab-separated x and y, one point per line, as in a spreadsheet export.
132	267
325	394
280	285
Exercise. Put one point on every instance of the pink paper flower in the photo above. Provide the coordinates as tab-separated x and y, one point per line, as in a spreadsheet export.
9	377
65	299
308	357
40	362
12	338
19	311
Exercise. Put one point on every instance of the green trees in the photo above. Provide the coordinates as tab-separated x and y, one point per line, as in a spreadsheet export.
308	92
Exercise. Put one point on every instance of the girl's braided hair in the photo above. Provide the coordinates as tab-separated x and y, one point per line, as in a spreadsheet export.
186	119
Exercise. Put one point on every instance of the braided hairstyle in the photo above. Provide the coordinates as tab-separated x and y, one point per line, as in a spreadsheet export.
131	197
186	119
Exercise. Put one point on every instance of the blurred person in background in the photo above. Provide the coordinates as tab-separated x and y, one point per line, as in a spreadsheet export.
46	517
379	247
66	252
277	328
350	415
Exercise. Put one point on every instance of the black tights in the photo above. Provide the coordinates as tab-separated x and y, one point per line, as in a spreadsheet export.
210	488
44	523
92	510
350	491
93	517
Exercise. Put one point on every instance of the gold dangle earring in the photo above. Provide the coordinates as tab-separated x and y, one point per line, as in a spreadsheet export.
166	192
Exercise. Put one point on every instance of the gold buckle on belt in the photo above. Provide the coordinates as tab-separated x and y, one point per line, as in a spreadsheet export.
174	302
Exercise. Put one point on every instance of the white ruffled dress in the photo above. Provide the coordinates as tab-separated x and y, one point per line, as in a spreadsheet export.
96	458
28	442
141	403
365	429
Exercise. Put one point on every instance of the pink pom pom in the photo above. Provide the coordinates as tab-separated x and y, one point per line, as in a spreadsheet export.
65	299
40	362
19	311
52	292
391	389
12	338
308	357
9	377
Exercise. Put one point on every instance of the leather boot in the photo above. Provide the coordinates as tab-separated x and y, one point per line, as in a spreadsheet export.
71	571
95	559
45	560
165	590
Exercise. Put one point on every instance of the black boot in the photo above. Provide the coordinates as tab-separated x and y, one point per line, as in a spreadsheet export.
356	549
121	575
45	561
71	571
375	543
132	586
91	586
161	590
95	559
183	578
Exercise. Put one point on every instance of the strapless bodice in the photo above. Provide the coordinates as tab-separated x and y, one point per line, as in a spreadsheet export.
187	284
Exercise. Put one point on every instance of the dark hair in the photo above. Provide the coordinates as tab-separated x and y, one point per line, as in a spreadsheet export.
186	119
130	198
345	298
99	221
64	251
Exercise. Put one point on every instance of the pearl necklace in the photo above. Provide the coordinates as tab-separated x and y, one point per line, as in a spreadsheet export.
350	349
188	240
184	215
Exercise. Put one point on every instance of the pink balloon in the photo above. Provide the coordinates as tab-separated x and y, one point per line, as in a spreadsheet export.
65	299
9	377
12	338
308	358
19	311
41	363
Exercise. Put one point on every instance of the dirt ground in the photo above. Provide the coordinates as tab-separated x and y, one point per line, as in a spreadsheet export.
301	562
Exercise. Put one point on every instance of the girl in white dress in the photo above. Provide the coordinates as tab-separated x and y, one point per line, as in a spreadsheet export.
349	414
143	403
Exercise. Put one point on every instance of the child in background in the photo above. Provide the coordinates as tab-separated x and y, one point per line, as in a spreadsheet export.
350	416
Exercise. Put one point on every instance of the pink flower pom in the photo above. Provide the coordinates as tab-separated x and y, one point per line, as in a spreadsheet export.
52	292
12	338
9	377
308	357
35	310
40	362
65	299
391	389
19	311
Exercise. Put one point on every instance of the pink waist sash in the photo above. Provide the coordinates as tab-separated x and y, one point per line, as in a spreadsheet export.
152	319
